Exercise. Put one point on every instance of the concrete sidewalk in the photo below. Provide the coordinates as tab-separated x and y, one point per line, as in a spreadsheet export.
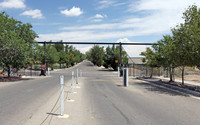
76	109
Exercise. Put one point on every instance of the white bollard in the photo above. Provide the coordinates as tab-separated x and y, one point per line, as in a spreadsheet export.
62	115
77	76
72	81
125	77
62	95
118	72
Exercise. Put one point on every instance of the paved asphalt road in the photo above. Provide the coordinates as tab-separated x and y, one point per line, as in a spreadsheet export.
139	104
20	100
109	102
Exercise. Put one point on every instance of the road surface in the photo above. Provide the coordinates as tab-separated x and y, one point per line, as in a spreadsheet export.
20	100
103	101
139	104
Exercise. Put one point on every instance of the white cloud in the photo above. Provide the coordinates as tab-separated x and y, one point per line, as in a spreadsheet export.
98	18
123	40
164	13
35	14
132	50
88	35
135	50
91	27
13	4
108	3
156	17
74	11
161	5
47	24
83	48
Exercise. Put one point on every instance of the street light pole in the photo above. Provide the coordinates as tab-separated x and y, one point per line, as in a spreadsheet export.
44	63
43	67
120	58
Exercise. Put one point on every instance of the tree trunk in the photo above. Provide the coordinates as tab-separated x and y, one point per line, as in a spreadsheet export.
151	72
60	65
183	75
8	71
171	74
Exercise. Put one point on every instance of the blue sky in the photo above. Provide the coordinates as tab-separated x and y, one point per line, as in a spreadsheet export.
99	20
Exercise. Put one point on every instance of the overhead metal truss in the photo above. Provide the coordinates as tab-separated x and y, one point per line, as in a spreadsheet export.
94	43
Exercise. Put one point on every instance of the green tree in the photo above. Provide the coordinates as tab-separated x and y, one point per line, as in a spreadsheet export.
52	56
113	54
62	55
74	56
77	56
183	48
187	39
16	41
63	58
70	52
59	47
166	54
35	54
108	59
151	59
96	55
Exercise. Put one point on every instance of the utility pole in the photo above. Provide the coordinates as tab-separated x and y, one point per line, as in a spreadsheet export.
43	68
120	58
44	53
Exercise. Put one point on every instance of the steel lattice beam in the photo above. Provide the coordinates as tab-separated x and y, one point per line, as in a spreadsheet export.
101	43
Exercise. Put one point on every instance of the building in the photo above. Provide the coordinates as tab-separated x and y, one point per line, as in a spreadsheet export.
137	67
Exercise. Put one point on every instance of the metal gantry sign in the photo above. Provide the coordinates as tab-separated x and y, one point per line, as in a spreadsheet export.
94	43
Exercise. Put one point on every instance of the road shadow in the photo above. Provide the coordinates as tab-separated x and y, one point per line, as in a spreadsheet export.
120	85
107	70
53	114
88	64
159	88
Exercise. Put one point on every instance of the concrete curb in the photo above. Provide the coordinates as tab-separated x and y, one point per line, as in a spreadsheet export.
173	88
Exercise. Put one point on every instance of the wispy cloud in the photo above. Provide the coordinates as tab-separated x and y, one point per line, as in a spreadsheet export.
83	48
108	3
92	27
154	17
17	4
35	14
133	51
88	35
98	18
74	11
47	24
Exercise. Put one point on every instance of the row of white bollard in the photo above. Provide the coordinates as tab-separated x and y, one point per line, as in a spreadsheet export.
62	90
